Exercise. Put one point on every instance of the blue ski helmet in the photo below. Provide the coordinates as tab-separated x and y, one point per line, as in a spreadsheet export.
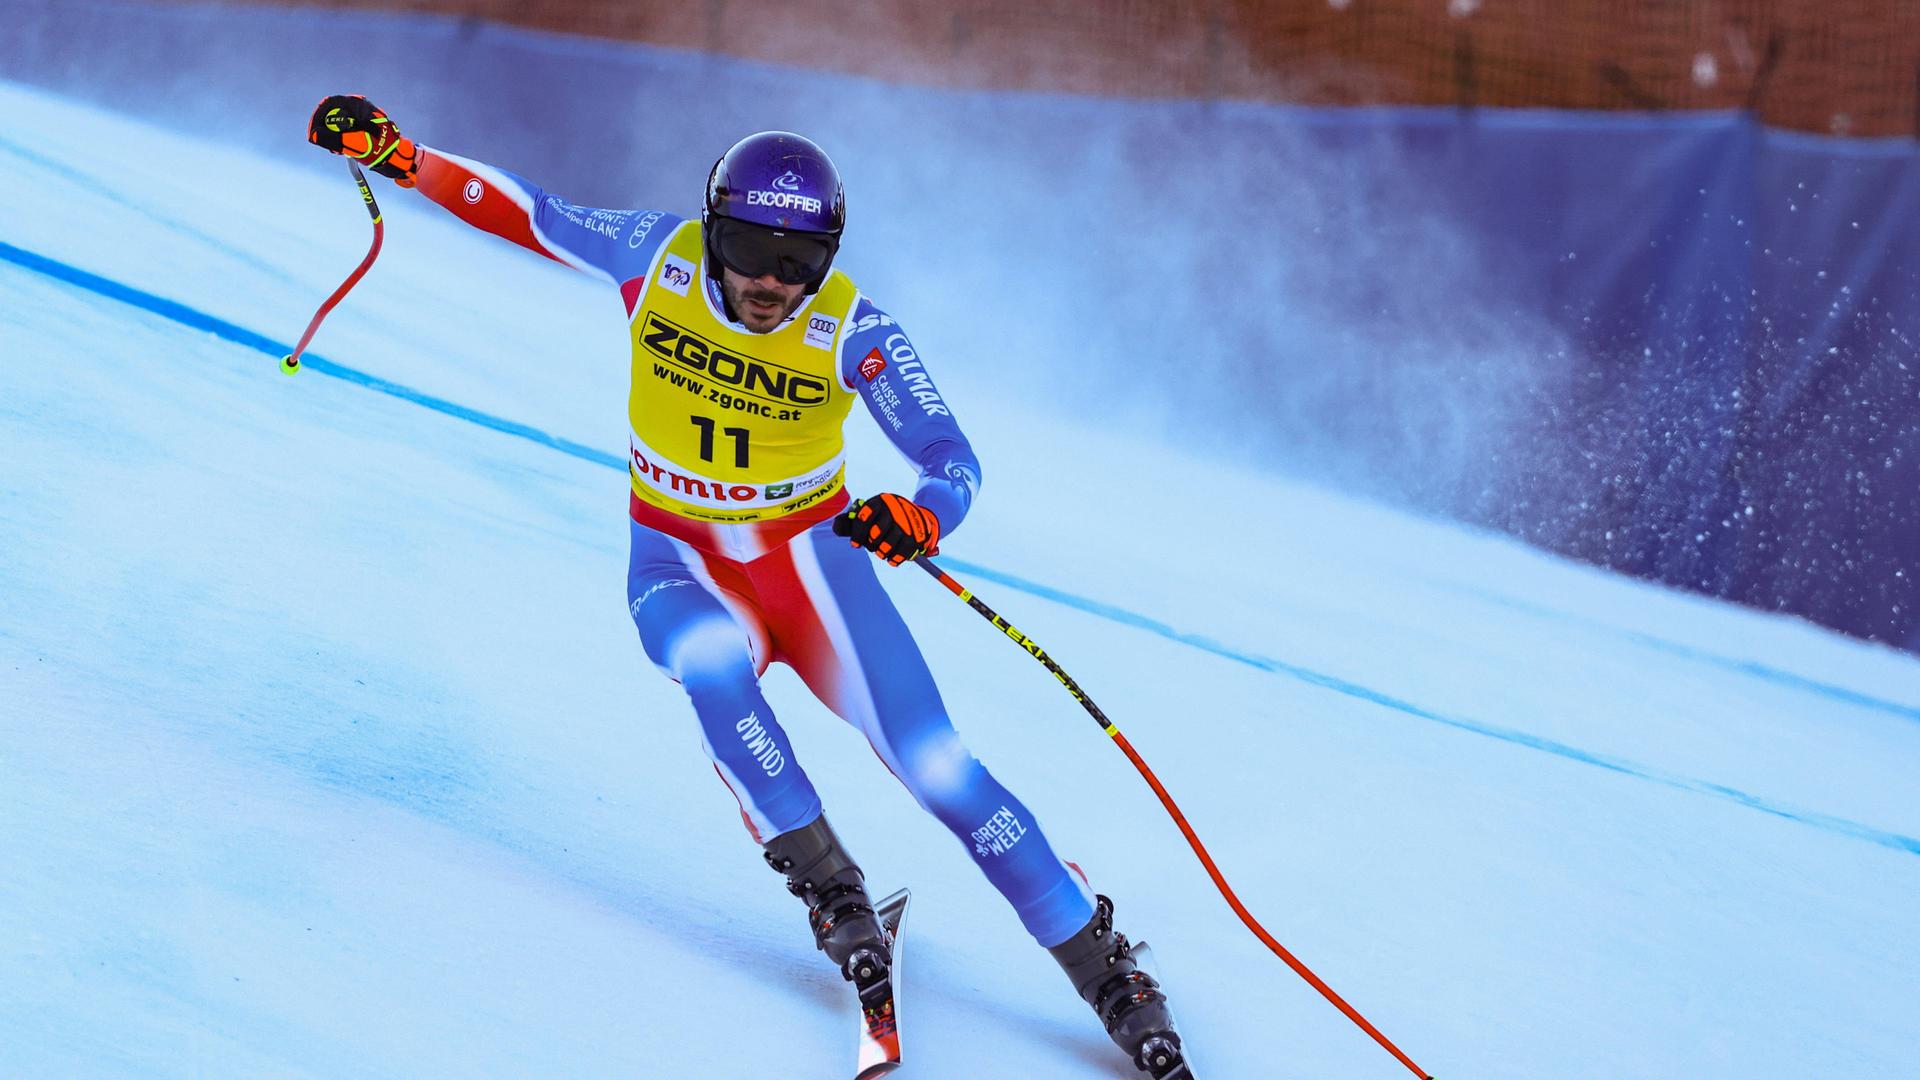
774	206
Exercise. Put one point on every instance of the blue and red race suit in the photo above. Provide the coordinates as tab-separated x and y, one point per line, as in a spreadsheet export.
736	474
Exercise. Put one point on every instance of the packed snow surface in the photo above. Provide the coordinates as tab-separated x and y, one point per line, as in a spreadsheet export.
327	747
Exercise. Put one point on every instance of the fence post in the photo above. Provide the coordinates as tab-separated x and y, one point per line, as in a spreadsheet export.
1763	75
1466	82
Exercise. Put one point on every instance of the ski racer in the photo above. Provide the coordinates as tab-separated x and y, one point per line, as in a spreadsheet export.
749	349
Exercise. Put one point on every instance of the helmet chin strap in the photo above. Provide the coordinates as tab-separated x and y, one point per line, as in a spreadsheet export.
726	304
706	245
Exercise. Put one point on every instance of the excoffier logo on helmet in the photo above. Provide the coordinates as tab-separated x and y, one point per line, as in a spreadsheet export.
788	181
784	200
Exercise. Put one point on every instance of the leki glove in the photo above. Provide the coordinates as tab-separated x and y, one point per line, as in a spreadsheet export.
892	527
350	124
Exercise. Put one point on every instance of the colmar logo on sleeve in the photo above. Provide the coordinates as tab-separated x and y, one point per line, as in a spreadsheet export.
873	365
909	370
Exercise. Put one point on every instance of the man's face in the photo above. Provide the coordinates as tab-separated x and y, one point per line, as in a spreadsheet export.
761	304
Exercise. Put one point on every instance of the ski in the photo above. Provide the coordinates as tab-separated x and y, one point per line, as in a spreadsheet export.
879	1016
1143	959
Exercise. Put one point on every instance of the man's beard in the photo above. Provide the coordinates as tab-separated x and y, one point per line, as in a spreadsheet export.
738	296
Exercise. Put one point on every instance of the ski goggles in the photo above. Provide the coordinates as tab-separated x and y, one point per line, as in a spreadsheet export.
794	258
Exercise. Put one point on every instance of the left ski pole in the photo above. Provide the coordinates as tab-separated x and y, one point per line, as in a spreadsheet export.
1033	649
290	363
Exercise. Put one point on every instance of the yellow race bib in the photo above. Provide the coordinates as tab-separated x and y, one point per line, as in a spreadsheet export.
731	426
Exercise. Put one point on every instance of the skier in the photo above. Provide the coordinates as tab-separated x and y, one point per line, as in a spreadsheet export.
749	349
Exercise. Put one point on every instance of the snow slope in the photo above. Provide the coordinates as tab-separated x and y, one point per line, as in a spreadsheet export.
327	748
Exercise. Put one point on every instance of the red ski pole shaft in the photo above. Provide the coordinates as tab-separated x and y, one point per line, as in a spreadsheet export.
1193	839
290	363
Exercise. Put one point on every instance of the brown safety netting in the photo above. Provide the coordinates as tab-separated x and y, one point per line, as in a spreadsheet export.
1833	66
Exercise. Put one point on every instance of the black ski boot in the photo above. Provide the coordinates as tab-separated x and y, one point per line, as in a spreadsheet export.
820	872
1127	1000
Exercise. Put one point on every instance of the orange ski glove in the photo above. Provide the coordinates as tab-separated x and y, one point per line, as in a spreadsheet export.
350	124
892	527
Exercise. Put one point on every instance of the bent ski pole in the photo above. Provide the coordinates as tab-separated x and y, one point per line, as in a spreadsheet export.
290	363
1180	819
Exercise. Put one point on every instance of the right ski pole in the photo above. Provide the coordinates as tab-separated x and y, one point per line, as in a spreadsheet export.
1180	819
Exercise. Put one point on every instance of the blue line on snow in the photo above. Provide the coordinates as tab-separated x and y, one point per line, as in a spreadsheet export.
1492	731
1749	668
227	331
